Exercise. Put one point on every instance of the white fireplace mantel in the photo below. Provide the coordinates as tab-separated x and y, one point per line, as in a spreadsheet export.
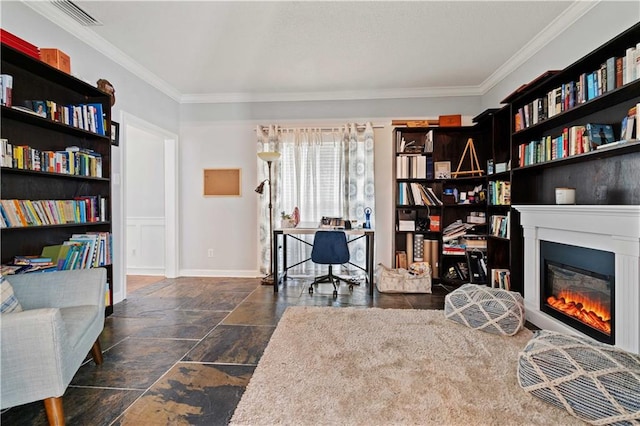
609	228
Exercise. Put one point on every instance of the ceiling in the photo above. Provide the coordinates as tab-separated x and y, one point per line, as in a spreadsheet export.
226	51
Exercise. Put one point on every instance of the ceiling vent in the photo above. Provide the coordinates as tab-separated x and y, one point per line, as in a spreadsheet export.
76	13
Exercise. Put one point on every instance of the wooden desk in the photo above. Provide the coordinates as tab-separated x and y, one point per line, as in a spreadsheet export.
306	228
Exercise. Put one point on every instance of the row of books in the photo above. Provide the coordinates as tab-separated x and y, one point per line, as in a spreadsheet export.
83	209
73	160
499	193
81	251
614	73
416	194
501	278
89	117
499	226
414	167
573	140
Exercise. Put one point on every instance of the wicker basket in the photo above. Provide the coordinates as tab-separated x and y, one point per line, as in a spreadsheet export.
418	280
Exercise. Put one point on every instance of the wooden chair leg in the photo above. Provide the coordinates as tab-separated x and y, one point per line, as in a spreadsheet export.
96	352
55	413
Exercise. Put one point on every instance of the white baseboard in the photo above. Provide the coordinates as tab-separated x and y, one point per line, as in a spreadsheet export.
219	273
146	271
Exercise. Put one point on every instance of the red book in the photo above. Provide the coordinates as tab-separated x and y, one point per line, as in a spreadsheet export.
19	44
619	72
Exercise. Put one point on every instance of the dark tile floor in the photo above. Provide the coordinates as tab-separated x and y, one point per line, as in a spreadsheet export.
181	351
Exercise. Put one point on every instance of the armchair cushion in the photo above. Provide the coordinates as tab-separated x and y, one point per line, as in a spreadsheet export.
9	302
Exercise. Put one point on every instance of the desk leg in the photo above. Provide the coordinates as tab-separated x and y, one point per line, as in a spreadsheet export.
370	253
284	257
274	254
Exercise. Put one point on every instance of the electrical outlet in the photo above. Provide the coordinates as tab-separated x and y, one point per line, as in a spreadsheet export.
210	252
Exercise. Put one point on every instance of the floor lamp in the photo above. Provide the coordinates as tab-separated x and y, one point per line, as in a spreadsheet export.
269	157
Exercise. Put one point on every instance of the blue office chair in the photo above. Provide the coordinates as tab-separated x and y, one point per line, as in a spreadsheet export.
330	248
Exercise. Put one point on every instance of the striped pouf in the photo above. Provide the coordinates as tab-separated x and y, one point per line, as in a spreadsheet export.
484	308
593	381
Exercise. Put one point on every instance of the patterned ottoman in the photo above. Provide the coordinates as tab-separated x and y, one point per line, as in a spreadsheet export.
595	382
484	308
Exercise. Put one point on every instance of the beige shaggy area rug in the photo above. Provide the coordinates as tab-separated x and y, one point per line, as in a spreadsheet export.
350	366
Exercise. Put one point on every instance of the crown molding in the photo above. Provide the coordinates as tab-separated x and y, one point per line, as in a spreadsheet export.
543	38
548	34
98	43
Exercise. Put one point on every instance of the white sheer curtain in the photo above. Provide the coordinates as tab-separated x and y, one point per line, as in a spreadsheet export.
323	172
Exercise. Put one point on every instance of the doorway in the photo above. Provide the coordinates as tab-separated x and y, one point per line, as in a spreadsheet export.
149	202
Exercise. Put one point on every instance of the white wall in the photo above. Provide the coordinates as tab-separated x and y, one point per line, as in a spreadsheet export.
599	25
133	95
223	136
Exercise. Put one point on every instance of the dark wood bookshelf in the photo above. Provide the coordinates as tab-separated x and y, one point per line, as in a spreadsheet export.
609	175
35	80
448	145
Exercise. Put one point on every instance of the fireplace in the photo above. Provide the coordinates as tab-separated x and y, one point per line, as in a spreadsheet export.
596	250
578	288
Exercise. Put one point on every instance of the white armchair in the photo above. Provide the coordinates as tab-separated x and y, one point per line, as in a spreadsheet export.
44	345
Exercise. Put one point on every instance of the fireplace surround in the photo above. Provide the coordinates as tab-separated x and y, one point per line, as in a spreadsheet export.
608	228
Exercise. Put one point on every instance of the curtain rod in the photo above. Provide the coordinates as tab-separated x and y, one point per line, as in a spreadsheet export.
324	128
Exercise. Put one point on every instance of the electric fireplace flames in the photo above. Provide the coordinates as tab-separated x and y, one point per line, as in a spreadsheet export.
580	298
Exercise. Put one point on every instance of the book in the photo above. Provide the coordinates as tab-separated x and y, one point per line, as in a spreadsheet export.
32	260
611	73
501	278
638	120
57	253
599	134
628	127
428	143
477	267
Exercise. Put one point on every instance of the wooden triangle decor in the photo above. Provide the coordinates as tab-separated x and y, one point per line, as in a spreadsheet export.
473	158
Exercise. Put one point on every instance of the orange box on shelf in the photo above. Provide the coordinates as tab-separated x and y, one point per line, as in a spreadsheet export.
434	223
450	120
56	58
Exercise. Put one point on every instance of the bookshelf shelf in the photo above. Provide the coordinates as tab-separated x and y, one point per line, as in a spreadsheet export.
620	96
35	80
57	225
45	123
48	175
598	154
476	206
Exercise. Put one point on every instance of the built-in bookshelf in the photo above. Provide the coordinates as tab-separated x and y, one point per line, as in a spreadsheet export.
602	172
55	167
496	124
432	205
585	142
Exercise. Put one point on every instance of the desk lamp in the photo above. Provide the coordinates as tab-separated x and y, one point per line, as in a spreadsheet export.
269	157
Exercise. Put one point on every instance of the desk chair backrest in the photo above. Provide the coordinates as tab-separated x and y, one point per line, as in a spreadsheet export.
330	248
